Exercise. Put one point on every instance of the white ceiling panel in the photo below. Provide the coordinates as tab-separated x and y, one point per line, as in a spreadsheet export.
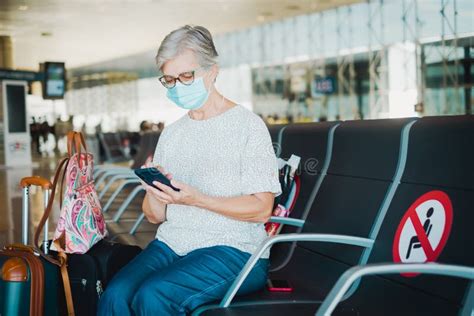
82	32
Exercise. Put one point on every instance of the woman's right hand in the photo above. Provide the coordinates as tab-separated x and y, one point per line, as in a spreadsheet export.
153	207
152	190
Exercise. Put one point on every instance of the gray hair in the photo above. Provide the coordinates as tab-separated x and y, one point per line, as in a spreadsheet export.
195	38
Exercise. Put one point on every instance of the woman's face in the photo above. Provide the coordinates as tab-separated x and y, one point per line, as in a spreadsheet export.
187	62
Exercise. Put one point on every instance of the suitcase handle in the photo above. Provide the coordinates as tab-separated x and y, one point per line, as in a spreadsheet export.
25	183
37	181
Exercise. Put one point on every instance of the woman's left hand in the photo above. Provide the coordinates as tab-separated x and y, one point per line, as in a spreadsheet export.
187	195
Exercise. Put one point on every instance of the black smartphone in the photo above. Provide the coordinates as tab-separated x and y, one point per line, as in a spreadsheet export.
153	174
279	286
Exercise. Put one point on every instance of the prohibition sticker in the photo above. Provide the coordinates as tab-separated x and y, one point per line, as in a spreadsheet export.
424	229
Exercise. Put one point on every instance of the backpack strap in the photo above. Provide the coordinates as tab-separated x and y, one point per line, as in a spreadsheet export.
66	283
48	209
76	141
80	142
80	139
62	262
61	186
70	143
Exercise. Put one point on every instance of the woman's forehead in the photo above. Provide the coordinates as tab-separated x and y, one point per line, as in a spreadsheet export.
186	61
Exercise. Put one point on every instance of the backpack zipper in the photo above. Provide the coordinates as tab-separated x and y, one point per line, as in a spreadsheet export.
84	283
81	281
98	288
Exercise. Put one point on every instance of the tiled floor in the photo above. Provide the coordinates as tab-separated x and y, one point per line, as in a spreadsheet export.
11	206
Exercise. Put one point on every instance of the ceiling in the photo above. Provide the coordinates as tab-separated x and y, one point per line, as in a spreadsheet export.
83	32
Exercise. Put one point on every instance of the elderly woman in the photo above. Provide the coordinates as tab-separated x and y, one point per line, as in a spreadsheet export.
220	157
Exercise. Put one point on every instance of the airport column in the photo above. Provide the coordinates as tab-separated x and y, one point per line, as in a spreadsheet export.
6	52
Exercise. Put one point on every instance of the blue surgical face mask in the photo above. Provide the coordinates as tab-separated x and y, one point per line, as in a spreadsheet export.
189	97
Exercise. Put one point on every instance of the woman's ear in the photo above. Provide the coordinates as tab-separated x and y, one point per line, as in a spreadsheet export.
214	72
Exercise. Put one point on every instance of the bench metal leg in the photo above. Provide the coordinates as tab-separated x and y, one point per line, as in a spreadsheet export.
116	193
137	224
127	202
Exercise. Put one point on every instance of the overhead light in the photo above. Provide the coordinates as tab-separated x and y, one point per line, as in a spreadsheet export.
23	8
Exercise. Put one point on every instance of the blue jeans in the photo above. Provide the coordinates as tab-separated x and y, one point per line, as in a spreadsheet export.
159	282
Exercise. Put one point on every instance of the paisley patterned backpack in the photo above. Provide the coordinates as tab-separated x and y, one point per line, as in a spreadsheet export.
81	223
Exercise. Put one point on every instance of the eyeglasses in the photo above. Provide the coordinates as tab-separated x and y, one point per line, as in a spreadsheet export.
185	78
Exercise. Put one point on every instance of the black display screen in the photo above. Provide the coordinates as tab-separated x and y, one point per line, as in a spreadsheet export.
54	84
16	103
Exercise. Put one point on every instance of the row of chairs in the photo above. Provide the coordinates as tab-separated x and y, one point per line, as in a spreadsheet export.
119	146
361	185
359	179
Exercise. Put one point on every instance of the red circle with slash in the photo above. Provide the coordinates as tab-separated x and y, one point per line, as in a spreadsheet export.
424	229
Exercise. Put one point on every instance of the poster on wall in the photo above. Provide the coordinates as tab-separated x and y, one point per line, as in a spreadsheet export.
323	86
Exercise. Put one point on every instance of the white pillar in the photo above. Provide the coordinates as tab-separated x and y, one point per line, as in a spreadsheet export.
402	89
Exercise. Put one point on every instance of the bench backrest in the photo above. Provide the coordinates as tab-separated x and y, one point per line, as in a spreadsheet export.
364	162
275	131
310	141
430	218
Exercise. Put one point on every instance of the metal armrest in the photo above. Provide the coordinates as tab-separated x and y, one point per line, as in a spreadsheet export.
108	166
112	172
116	177
339	239
105	166
100	169
353	274
287	221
